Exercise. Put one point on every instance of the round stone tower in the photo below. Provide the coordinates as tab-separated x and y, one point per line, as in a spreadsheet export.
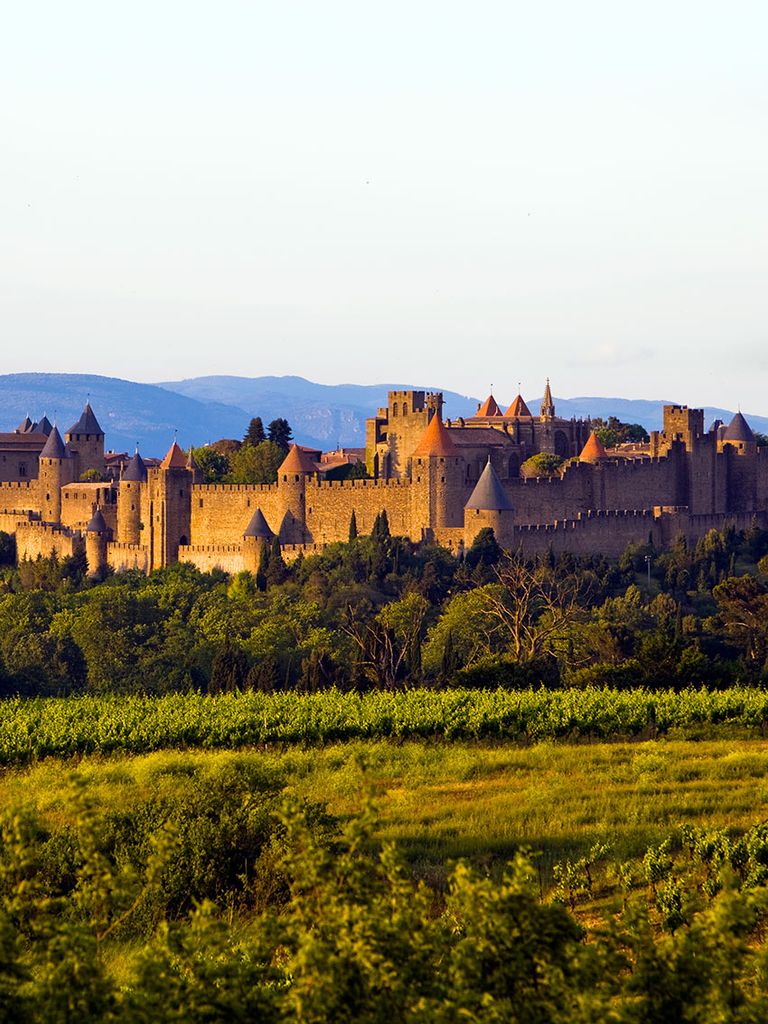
96	537
437	478
129	500
292	487
55	470
489	505
256	538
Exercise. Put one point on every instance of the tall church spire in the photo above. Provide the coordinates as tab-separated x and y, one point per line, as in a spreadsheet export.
547	405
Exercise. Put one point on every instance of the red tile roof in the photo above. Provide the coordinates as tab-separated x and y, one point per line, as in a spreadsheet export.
489	408
298	461
435	440
175	459
593	450
518	408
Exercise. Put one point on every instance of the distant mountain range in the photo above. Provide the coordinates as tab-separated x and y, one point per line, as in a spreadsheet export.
204	409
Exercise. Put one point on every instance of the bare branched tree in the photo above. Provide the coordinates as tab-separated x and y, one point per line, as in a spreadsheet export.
389	644
536	604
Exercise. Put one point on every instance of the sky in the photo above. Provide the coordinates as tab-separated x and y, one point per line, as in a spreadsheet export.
461	195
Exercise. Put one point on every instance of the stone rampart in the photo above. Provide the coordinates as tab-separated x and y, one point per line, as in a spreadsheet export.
206	557
128	557
40	540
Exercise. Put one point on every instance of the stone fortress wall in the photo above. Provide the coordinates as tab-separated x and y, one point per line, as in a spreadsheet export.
439	482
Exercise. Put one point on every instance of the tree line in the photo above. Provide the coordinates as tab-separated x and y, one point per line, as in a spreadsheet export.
380	612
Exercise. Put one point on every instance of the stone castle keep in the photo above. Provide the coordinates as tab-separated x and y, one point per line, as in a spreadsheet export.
438	481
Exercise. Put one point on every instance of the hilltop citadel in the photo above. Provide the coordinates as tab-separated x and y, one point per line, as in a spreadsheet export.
438	480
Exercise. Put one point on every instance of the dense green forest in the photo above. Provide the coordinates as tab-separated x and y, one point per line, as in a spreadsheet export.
382	613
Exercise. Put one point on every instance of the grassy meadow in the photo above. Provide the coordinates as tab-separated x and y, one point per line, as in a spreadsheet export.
446	800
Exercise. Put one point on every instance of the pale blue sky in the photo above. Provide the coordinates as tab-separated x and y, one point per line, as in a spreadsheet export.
450	194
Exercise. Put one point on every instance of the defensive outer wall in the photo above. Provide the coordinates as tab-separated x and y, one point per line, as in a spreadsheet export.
686	481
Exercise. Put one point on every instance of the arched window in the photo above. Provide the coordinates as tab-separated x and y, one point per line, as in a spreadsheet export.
394	409
405	409
562	447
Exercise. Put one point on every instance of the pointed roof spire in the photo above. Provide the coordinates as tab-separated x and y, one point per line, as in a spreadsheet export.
44	426
87	424
489	494
54	447
97	523
258	527
738	430
297	461
435	440
489	407
191	464
25	426
547	405
174	459
518	409
136	470
593	450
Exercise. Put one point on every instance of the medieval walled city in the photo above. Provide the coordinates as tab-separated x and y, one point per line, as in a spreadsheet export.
438	480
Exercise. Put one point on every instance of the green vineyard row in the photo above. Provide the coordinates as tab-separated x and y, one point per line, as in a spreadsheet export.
43	727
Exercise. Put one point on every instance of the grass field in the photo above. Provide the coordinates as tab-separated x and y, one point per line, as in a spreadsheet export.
441	801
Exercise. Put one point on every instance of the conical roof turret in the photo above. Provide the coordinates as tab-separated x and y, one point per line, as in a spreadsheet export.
97	523
44	426
436	441
258	527
489	494
738	430
25	426
54	447
489	407
297	461
518	409
191	463
136	470
87	424
593	450
174	459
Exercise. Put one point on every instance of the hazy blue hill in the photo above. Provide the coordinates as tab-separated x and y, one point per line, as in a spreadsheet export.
332	412
636	410
319	413
128	412
207	408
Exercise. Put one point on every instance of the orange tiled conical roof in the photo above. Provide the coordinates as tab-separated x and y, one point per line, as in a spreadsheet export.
435	440
298	461
489	408
518	408
593	450
175	459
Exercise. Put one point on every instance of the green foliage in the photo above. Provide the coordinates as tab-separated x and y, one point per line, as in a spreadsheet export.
543	464
279	433
256	464
91	476
214	465
7	548
255	435
613	431
43	727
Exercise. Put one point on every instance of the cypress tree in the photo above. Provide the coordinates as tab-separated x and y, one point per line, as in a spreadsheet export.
255	433
352	527
280	433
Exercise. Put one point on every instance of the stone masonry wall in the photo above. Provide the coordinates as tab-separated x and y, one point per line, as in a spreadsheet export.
228	557
35	540
221	512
